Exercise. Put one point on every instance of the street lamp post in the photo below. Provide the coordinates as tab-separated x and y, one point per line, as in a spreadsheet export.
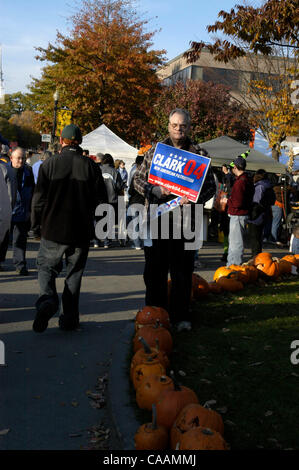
56	98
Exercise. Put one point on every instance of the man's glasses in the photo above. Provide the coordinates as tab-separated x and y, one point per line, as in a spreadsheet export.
178	126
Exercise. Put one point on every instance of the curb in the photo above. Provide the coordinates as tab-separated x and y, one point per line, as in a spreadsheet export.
123	416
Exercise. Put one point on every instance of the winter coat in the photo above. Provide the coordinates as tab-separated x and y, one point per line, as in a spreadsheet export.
22	208
68	189
114	183
240	200
5	208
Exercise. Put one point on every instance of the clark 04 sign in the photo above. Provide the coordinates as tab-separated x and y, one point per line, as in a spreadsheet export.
181	172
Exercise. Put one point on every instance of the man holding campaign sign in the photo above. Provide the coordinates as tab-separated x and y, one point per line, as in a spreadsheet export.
173	174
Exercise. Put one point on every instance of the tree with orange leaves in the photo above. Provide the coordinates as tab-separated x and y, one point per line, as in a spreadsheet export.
104	70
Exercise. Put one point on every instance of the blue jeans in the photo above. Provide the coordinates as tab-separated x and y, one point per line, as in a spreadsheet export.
276	220
237	228
49	265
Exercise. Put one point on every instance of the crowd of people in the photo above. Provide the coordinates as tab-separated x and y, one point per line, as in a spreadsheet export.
56	200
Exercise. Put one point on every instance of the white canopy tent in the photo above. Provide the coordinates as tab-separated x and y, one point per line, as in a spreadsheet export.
103	140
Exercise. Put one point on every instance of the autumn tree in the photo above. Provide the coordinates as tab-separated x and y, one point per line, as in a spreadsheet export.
259	30
104	70
271	30
212	111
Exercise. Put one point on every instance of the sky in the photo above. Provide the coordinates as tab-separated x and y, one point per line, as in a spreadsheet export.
32	23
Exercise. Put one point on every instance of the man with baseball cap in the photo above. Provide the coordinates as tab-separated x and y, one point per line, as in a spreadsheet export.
239	204
69	188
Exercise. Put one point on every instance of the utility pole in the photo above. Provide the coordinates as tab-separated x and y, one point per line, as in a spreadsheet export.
2	94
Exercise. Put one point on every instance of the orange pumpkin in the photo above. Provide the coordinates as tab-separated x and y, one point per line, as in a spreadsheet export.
201	438
200	287
171	402
150	388
150	315
149	367
225	271
266	264
292	259
230	284
151	436
192	416
145	353
151	334
284	266
252	272
244	275
215	288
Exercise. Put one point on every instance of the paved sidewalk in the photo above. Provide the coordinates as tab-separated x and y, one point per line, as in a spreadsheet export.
50	379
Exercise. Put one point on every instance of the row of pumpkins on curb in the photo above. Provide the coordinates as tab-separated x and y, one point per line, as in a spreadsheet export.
179	422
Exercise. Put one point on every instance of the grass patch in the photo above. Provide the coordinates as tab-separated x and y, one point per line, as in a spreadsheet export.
238	354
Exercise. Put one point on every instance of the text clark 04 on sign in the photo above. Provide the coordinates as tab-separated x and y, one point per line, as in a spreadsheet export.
181	172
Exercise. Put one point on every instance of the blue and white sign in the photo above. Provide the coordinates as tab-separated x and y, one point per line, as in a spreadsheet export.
181	172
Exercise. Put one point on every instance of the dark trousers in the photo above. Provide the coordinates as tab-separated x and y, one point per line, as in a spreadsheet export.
255	233
49	265
164	256
18	232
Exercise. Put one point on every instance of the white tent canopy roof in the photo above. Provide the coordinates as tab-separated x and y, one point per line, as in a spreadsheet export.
225	149
103	140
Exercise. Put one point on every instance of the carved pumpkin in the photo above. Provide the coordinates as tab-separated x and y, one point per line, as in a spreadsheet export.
150	315
266	264
230	284
201	438
150	388
149	367
151	334
151	436
171	402
200	287
191	416
145	353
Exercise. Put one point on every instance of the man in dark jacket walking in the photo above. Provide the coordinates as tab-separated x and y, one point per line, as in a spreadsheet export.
68	189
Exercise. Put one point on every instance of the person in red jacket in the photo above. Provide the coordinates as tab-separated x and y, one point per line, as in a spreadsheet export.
239	204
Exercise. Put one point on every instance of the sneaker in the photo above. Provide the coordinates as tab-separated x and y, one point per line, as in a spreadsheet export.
43	315
138	248
183	325
23	271
106	246
96	245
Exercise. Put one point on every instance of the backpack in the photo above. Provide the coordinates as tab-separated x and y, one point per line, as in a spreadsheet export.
268	198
